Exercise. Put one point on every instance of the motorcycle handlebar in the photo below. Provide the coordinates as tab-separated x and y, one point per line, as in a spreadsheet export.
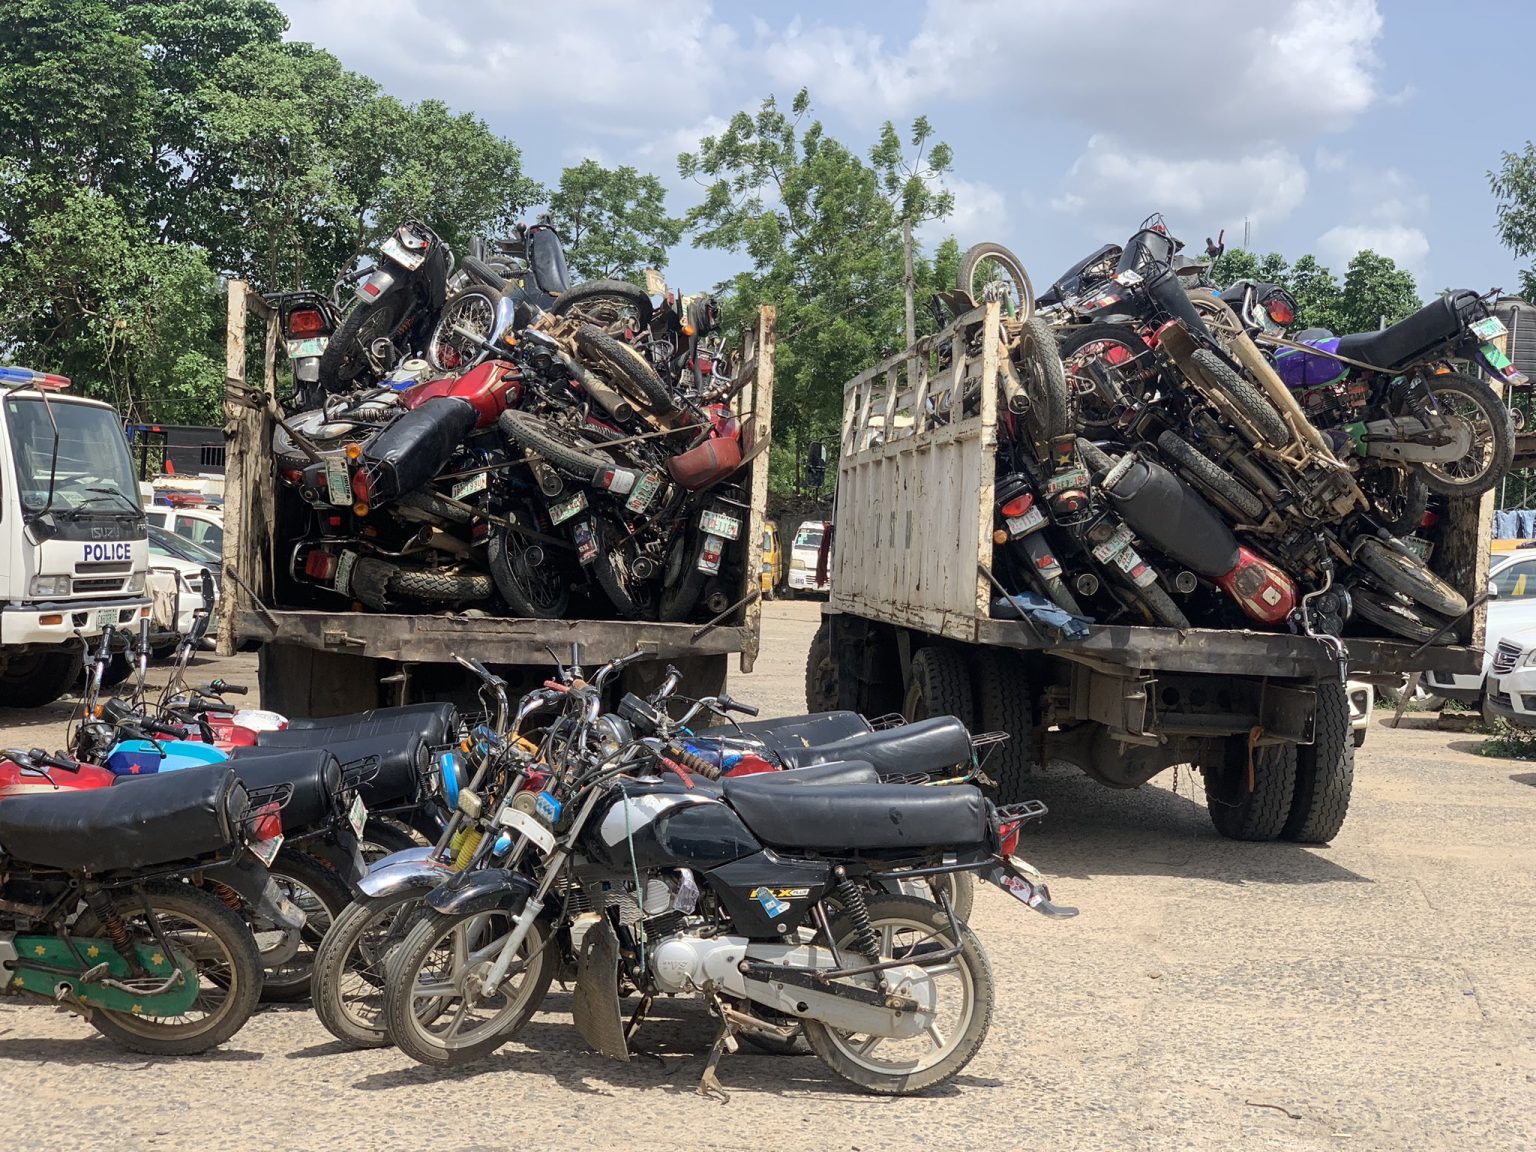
221	688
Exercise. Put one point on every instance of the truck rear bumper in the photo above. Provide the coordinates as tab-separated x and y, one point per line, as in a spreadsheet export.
55	624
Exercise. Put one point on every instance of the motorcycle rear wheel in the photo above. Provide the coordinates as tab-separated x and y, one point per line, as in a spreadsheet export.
1092	345
562	449
288	955
461	331
1200	470
228	968
1397	616
541	592
630	371
1493	445
606	303
1407	575
906	926
346	353
348	994
990	270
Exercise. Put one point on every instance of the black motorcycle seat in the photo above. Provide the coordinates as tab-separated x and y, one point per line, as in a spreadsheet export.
156	819
923	746
436	723
1394	347
859	817
314	774
803	731
401	757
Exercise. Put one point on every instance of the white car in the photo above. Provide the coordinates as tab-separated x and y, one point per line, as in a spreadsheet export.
201	525
1513	609
804	551
1512	679
1362	699
170	554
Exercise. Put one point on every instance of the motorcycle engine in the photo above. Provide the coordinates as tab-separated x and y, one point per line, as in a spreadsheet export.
686	960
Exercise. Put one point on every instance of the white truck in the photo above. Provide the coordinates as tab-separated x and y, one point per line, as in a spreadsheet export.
908	627
73	545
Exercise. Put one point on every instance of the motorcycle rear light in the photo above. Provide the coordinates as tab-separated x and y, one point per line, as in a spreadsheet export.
267	823
361	487
617	480
306	322
1280	311
1019	505
292	477
320	566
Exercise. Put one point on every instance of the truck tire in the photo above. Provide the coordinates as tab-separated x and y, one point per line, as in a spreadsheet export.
33	679
1239	814
1005	704
1325	771
821	671
941	686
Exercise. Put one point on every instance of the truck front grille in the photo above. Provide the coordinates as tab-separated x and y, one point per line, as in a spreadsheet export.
111	584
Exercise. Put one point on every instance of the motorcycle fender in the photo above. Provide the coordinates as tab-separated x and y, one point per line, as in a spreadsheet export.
1393	439
379	280
413	869
487	890
249	877
342	853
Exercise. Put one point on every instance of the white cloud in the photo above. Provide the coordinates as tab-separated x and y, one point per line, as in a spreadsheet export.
1213	68
980	213
1405	244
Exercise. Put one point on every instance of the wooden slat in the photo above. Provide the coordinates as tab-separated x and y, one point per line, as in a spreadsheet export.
762	414
237	470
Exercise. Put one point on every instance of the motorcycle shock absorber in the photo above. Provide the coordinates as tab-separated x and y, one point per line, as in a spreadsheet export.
853	904
227	894
469	841
112	923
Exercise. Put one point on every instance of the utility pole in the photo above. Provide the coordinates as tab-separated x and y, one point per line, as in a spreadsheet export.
910	283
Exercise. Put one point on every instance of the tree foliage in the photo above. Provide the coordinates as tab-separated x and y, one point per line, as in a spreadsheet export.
1374	288
822	228
1514	190
613	221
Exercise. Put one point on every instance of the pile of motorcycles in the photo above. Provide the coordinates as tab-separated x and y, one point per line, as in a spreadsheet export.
1169	455
809	878
490	438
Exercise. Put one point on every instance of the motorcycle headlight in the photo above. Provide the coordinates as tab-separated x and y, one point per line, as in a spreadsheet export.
448	781
50	585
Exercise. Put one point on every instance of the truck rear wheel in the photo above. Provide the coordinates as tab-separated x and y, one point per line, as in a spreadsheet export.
1004	704
941	686
1259	814
33	679
1325	771
821	671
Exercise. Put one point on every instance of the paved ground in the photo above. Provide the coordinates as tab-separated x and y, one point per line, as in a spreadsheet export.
1378	993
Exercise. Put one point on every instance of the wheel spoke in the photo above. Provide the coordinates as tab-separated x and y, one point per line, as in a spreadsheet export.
936	1035
868	1045
433	991
458	1020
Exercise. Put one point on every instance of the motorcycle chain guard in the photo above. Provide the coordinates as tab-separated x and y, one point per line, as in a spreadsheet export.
595	1003
106	964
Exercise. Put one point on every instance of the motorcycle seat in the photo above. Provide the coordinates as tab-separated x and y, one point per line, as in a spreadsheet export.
156	819
858	817
802	731
832	772
1397	346
923	746
436	723
314	773
403	758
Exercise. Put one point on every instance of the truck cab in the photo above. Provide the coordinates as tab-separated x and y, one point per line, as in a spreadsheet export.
73	544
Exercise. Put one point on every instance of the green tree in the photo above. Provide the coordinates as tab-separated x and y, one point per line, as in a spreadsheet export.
1375	290
1514	190
1374	287
613	221
823	231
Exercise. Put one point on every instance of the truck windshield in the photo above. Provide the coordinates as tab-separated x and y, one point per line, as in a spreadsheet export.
808	537
93	470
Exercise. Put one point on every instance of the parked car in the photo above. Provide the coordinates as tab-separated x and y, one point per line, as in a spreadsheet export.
204	526
169	552
804	552
1362	700
773	560
1511	691
1512	609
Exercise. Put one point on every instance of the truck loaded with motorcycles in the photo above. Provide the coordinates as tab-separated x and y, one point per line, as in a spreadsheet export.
480	456
73	550
1168	551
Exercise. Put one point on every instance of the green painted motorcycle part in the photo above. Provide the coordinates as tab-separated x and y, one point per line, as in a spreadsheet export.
53	952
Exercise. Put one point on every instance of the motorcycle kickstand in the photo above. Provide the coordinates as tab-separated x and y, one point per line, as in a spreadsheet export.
709	1083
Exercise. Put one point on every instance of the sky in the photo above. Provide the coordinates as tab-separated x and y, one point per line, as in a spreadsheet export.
1325	125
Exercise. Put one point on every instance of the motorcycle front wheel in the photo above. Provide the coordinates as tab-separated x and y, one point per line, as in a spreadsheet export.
213	936
908	929
1468	399
434	1009
347	354
348	992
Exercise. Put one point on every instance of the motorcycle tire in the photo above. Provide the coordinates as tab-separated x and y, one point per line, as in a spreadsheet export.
1246	398
976	259
1472	400
348	986
482	273
475	309
384	837
1204	473
1399	498
682	582
1393	614
1160	604
232	977
1044	379
289	963
630	371
1404	573
563	450
1092	409
346	353
441	587
588	300
611	572
532	594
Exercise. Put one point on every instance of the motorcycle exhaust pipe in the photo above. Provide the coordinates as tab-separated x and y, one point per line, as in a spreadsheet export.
1186	582
1174	519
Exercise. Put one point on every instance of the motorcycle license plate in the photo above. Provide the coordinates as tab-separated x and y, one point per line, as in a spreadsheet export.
1019	525
565	509
1488	328
1071	478
402	255
338	482
357	815
586	542
719	524
471	485
1117	542
106	618
1419	546
298	349
645	491
266	850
